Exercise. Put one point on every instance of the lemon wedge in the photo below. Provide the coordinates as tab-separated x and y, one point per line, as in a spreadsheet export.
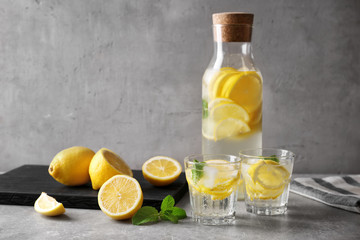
48	206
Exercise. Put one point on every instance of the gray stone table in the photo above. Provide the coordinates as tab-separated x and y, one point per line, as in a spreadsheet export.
305	219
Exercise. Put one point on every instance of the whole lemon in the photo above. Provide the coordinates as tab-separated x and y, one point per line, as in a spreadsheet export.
106	164
71	166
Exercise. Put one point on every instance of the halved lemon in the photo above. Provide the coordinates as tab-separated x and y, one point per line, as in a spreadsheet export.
230	127
229	110
48	206
120	197
161	170
104	165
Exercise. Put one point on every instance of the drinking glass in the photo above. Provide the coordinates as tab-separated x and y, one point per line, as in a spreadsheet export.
213	181
266	173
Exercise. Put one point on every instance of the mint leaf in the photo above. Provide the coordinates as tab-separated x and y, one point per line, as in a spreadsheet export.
205	111
163	215
272	158
168	213
144	215
167	203
168	216
179	213
197	172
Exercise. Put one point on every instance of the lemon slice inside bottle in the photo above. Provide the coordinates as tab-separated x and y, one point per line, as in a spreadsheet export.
219	79
219	101
218	83
245	90
230	127
208	127
229	110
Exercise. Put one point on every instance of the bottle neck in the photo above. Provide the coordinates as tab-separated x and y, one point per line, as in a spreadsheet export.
233	54
225	48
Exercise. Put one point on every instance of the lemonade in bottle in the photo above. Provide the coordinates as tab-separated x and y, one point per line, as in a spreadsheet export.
232	89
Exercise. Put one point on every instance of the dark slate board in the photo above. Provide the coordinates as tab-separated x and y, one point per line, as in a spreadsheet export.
23	185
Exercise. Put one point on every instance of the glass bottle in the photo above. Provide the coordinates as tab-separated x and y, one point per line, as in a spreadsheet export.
231	89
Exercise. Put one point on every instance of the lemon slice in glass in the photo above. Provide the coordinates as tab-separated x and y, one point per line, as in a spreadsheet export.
220	179
266	180
271	175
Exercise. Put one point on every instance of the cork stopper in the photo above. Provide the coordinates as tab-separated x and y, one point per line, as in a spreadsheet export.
232	26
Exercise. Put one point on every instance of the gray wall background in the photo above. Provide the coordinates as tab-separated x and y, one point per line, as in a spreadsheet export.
126	75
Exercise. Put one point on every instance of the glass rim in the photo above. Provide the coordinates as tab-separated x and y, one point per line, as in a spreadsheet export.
241	152
189	160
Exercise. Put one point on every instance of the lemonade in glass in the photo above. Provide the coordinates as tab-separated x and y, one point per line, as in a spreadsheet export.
213	181
266	173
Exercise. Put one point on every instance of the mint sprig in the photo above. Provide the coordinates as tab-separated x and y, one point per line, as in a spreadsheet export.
168	213
272	158
197	172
